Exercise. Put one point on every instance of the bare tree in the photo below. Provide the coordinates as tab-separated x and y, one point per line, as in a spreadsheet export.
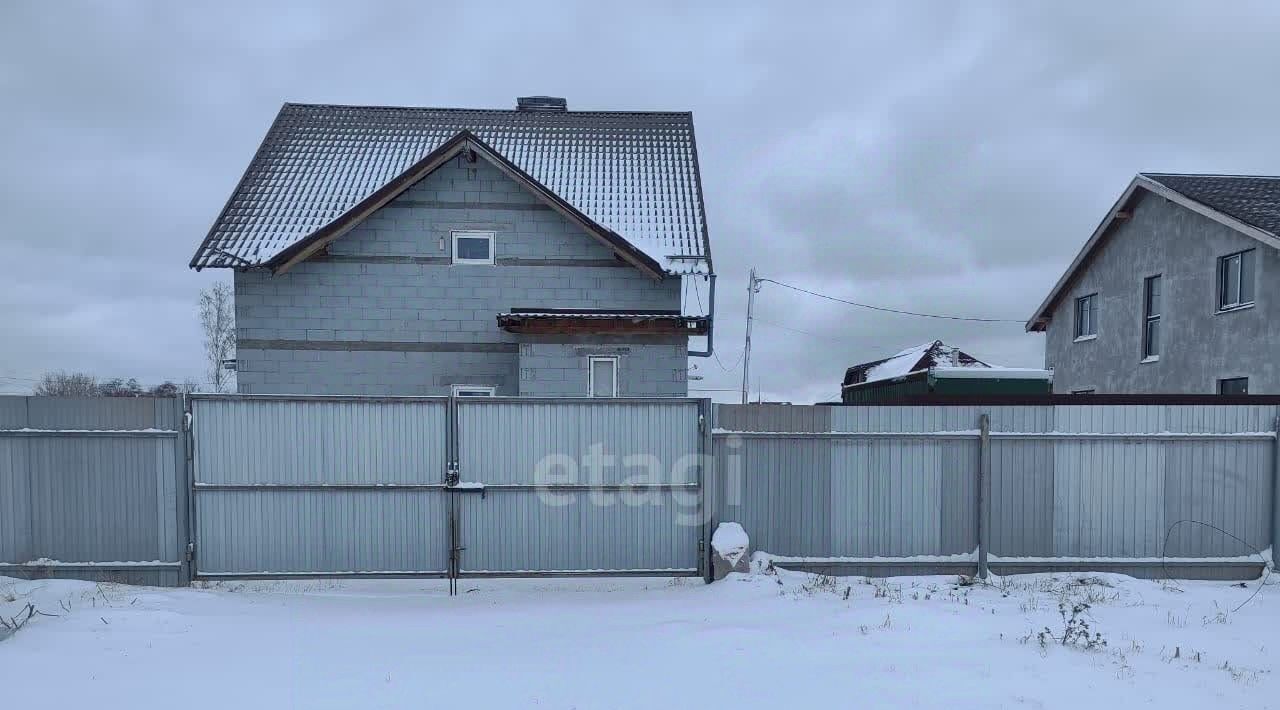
118	387
218	319
79	384
66	384
170	389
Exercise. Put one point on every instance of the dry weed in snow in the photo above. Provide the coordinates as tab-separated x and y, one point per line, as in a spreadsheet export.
770	639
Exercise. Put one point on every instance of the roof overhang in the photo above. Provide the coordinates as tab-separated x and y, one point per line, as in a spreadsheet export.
1121	211
569	322
990	373
886	381
460	143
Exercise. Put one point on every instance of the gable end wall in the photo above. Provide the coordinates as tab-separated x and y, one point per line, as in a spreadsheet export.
387	313
1199	345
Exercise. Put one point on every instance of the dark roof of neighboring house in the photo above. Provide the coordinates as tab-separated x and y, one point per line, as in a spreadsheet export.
916	359
1254	200
630	177
1249	204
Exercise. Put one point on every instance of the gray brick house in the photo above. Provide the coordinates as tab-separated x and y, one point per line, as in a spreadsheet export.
1175	292
415	251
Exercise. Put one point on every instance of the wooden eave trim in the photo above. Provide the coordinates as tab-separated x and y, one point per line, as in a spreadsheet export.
463	140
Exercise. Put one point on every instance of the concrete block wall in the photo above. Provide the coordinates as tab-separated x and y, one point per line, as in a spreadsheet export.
654	367
372	372
1198	344
385	312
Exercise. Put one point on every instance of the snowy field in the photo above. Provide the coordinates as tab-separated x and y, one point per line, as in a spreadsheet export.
777	640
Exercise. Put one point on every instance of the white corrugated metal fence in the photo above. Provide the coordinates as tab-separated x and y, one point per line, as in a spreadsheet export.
867	488
356	486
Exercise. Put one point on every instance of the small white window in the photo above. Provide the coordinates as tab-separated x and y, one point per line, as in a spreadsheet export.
604	377
473	247
472	391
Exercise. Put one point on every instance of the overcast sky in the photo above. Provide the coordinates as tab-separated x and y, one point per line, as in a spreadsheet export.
944	157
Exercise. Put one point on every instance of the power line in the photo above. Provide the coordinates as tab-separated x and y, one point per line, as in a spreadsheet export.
736	363
732	367
846	338
890	310
714	353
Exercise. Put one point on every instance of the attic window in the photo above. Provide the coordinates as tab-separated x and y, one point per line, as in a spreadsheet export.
473	247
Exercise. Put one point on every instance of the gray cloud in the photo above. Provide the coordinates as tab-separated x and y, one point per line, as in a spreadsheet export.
931	156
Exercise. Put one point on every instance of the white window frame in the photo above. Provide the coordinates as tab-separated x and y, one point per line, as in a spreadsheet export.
1150	316
1093	317
469	234
591	375
1241	274
488	390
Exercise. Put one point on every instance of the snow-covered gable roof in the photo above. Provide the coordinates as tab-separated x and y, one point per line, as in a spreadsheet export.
633	174
915	359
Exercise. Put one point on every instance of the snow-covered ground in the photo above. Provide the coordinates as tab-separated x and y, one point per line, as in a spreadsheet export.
777	640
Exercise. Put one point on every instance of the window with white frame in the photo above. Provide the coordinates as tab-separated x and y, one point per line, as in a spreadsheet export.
472	247
1151	318
1087	316
604	377
473	391
1235	280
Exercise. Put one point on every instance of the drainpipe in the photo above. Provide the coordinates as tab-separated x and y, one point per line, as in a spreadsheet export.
711	320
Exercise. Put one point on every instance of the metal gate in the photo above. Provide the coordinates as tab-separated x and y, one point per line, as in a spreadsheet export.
319	486
312	486
579	487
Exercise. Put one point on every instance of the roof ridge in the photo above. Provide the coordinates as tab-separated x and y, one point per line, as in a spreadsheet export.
459	109
1212	175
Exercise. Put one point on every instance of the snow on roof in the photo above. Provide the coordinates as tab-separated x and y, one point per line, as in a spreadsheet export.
904	363
915	359
635	173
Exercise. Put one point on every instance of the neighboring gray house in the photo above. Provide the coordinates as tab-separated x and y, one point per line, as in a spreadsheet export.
419	251
1175	292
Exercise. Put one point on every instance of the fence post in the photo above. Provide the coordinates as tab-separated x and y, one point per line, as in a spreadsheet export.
1275	495
709	482
984	473
187	491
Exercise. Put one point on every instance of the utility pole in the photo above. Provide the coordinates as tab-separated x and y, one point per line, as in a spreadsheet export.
753	286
